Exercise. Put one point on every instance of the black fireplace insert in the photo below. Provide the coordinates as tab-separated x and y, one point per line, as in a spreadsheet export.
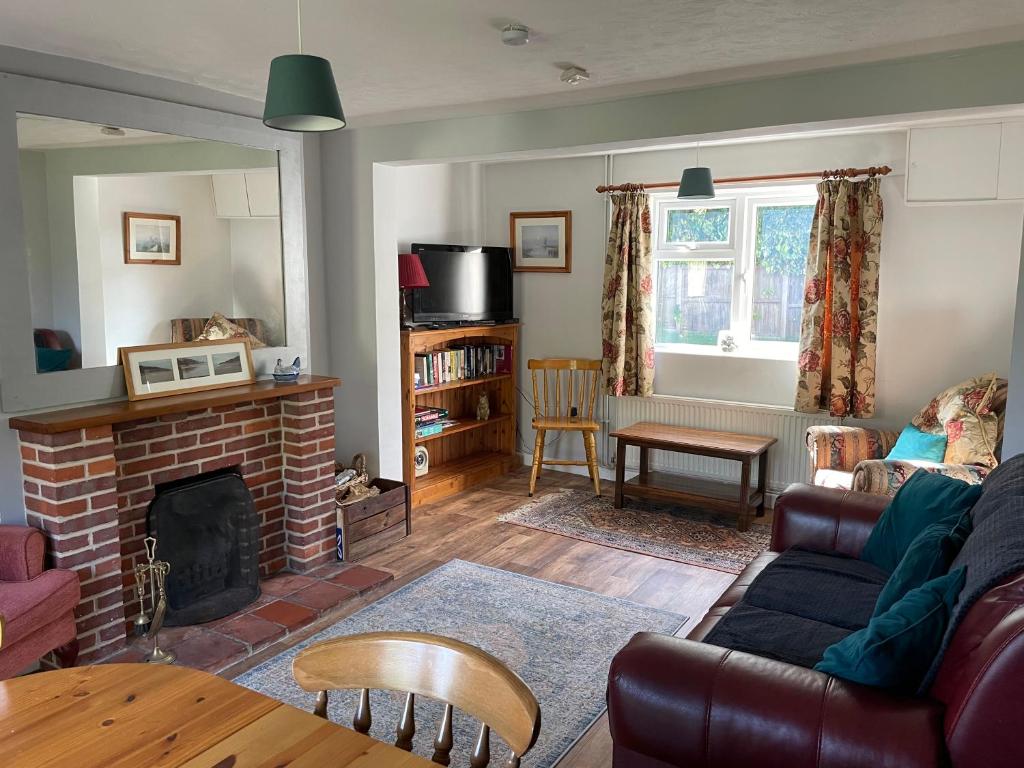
207	528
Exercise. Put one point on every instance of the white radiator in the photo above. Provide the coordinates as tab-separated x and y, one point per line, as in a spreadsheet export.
787	462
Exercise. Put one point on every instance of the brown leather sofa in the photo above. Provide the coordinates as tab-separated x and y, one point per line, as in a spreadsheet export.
681	702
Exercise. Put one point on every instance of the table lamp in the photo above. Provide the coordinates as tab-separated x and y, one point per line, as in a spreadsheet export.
410	277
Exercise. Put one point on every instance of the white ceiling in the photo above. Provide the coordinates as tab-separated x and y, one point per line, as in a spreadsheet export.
419	58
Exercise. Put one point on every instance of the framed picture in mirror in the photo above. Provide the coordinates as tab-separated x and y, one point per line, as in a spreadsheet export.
158	370
152	238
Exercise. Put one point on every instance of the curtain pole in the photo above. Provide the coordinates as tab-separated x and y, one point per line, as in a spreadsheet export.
839	173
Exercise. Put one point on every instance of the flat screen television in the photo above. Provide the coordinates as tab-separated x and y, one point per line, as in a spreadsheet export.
467	283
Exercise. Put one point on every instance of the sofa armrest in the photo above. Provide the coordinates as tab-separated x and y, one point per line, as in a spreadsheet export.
828	519
21	552
842	448
691	704
885	476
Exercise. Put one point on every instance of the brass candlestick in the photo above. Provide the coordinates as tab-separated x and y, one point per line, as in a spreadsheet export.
150	582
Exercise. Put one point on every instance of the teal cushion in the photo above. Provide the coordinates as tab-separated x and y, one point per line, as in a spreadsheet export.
895	650
925	498
48	360
915	445
927	558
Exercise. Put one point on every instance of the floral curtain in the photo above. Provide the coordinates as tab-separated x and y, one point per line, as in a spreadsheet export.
840	317
627	309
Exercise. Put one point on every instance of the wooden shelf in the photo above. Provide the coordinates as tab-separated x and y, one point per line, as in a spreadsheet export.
462	383
69	419
469	452
457	475
464	425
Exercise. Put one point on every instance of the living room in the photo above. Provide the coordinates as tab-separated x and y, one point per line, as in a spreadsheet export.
521	557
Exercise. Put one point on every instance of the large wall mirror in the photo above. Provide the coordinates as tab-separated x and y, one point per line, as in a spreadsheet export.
135	237
131	221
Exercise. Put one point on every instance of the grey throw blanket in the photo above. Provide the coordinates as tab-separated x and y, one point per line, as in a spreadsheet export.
995	549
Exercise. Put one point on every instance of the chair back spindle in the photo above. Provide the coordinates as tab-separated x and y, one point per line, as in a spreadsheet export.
429	665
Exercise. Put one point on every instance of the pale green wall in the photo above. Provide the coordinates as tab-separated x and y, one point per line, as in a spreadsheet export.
362	292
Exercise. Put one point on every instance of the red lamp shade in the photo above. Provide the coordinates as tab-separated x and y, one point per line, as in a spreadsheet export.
410	271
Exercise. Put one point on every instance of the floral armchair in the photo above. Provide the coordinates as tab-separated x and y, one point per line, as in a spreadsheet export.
855	457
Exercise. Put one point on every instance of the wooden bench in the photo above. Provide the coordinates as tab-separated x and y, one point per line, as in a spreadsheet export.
712	494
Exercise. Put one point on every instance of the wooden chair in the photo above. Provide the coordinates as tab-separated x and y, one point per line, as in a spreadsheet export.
581	382
441	668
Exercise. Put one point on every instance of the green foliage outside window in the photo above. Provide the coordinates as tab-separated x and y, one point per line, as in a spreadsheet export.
782	236
698	225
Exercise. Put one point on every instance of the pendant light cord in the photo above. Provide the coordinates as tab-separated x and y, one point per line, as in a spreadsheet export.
298	21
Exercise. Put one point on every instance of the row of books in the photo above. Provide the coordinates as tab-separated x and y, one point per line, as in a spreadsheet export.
461	363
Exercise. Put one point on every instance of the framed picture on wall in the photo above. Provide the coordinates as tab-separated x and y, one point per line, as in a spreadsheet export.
158	370
151	238
541	241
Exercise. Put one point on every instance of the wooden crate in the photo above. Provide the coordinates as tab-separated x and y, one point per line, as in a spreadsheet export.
373	523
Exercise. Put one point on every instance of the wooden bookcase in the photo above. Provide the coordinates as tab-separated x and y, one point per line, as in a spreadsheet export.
471	451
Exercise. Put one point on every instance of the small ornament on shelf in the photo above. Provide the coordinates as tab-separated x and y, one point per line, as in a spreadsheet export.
483	408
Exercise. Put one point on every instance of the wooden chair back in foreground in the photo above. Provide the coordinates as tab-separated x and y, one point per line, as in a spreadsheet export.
579	382
460	675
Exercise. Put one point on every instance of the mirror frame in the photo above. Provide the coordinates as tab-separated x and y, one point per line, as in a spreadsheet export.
21	388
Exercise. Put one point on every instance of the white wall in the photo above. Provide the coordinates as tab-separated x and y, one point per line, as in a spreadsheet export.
257	274
948	274
560	313
141	299
424	204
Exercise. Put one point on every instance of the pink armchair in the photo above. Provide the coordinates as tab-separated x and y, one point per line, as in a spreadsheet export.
37	606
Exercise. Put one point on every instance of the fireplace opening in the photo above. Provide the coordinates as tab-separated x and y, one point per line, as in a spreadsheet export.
207	528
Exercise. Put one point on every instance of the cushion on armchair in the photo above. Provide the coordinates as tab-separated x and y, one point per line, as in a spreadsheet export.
970	415
915	444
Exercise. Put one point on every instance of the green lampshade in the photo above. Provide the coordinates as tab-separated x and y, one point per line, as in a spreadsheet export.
696	184
301	95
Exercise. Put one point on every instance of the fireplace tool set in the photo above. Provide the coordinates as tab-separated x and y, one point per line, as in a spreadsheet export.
150	587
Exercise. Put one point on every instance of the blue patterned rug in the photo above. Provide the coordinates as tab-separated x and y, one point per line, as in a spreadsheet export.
559	639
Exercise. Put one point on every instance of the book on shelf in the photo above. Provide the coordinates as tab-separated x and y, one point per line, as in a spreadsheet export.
426	414
462	363
429	429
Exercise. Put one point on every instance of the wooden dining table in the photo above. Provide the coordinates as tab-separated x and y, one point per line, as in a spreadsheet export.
145	716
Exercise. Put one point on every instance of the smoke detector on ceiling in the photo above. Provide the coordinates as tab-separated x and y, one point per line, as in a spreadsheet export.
574	75
515	34
110	130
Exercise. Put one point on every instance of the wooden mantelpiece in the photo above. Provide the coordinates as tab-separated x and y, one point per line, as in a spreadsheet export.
83	417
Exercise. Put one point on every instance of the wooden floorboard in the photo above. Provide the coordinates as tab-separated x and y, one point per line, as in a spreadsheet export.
465	527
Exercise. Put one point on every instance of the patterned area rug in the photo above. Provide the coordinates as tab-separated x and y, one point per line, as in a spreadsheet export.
683	534
559	639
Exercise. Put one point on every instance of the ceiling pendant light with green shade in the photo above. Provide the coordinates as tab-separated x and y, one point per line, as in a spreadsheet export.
301	93
696	183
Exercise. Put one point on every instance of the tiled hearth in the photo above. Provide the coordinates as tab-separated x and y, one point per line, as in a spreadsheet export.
289	603
87	484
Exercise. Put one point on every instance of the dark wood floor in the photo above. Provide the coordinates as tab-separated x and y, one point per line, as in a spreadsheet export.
466	527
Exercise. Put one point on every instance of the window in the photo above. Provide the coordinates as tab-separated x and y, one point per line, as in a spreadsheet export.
733	266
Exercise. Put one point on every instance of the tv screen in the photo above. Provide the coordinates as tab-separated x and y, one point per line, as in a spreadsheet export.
467	283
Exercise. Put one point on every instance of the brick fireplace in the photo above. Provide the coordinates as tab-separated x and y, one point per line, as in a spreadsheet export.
90	473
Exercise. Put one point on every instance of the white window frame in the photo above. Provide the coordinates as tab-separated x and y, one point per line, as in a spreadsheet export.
743	204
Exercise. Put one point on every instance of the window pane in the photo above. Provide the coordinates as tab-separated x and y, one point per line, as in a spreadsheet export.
694	301
697	225
780	250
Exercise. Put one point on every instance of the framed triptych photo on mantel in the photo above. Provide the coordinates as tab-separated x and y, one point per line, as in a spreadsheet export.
541	241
